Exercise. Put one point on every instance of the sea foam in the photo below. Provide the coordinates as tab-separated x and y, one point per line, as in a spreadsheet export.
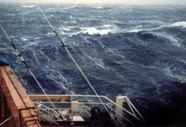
176	24
93	30
28	6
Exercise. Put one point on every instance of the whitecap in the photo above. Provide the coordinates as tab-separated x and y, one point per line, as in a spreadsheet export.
30	44
93	30
50	33
37	38
98	7
10	14
51	15
70	7
70	30
24	38
101	30
28	6
176	24
135	30
65	28
108	26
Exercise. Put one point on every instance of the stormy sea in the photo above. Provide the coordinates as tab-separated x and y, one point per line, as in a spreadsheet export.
136	51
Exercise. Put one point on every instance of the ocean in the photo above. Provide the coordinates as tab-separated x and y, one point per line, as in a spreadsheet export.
136	51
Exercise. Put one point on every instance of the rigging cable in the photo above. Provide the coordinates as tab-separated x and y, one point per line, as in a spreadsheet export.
22	59
19	55
59	38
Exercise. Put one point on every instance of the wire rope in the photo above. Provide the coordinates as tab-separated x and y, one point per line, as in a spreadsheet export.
83	74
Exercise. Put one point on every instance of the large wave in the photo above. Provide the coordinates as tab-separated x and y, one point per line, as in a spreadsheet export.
130	50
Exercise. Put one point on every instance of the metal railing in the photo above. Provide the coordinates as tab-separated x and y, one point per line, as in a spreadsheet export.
83	106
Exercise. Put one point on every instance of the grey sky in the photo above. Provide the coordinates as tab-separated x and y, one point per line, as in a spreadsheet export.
105	1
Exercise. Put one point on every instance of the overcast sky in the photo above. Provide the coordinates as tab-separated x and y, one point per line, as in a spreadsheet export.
105	1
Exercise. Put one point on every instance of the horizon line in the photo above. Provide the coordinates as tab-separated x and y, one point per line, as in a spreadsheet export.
92	2
111	3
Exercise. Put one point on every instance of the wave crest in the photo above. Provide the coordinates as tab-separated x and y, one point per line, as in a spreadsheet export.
176	24
28	6
93	30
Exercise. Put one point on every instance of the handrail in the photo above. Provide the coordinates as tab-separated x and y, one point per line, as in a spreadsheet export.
87	108
50	119
134	112
36	97
51	109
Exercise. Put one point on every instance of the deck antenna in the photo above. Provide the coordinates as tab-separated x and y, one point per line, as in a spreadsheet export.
83	74
22	59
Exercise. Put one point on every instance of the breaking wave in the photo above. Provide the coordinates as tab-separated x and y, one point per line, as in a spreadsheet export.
98	7
93	30
28	6
176	24
101	30
138	53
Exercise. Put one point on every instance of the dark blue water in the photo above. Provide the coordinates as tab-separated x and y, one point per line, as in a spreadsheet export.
138	51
